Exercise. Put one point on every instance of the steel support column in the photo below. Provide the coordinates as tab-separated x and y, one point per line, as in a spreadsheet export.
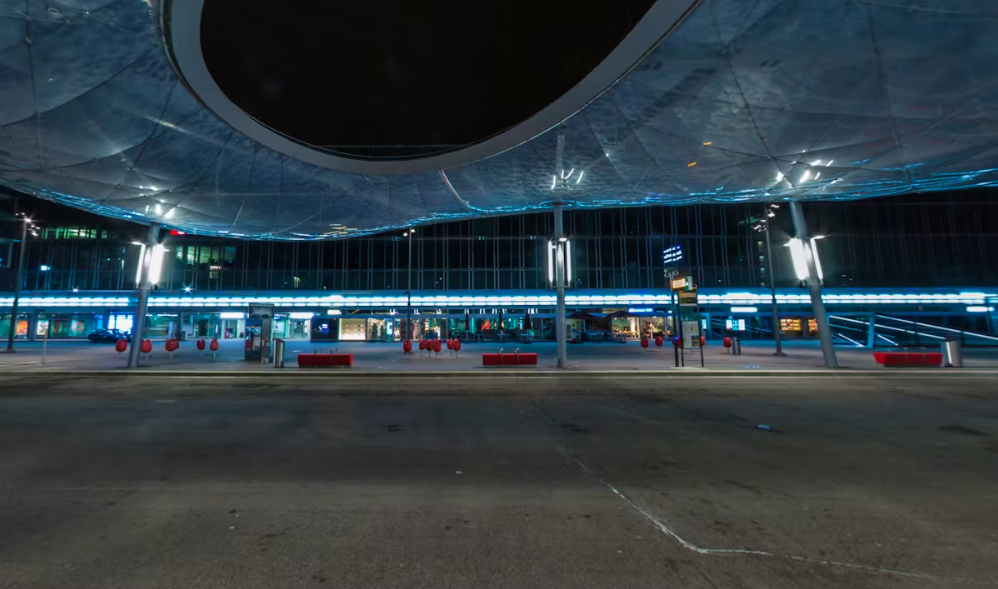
138	325
559	281
814	287
17	285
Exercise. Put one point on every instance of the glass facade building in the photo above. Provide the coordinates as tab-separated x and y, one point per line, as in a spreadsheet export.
923	258
938	240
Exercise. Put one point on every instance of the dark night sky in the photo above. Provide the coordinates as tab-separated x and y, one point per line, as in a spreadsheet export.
337	73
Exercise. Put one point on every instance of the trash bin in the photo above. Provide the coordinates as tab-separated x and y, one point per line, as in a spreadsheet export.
952	353
736	346
278	353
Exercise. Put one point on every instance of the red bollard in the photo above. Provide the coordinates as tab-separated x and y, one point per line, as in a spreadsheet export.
407	347
659	340
703	342
146	347
644	342
200	345
436	346
727	344
213	346
422	345
457	346
120	345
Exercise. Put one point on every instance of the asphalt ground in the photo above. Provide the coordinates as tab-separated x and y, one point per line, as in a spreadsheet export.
602	481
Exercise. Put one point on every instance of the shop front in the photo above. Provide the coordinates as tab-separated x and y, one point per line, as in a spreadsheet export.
293	326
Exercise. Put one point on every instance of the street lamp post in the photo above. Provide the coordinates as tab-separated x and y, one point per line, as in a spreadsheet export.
777	328
813	279
25	222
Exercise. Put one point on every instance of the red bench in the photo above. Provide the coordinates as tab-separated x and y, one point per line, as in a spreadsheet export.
908	359
319	360
509	359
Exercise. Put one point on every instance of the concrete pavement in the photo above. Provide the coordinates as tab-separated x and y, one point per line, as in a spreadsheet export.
599	482
757	356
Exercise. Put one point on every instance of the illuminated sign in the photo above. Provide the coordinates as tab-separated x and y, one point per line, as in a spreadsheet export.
679	283
672	255
734	324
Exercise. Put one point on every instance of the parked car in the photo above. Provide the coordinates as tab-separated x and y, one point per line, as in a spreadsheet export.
108	336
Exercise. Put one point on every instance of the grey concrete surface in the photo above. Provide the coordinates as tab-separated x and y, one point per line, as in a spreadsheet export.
601	482
756	355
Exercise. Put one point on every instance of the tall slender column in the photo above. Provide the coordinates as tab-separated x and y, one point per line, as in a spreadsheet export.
777	335
559	281
408	292
23	246
814	287
139	323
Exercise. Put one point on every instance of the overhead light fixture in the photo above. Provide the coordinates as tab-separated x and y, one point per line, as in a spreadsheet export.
169	214
582	173
156	263
798	257
568	262
551	262
817	258
554	181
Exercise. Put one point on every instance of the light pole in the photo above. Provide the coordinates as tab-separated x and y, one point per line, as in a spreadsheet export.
149	261
408	311
563	180
766	225
25	224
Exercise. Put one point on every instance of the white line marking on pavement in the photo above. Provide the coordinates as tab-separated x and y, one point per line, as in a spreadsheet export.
665	529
